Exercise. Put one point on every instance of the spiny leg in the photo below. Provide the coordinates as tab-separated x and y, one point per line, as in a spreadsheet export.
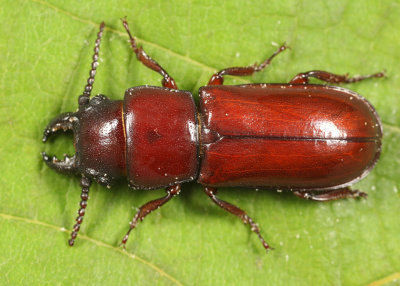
211	192
303	78
332	195
149	207
85	184
84	98
141	55
218	78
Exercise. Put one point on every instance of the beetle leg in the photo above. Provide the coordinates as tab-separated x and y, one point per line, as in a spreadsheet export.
149	207
211	192
85	184
218	78
141	55
84	98
330	195
303	78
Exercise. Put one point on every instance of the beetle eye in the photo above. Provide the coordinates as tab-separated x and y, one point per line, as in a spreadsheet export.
63	122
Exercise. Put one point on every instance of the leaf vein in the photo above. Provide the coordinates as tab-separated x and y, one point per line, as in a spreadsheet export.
97	242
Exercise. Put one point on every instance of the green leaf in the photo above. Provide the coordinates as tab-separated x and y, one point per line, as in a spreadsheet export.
45	53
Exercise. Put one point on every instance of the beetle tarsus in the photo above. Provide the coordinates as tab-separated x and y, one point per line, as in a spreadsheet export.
218	78
122	246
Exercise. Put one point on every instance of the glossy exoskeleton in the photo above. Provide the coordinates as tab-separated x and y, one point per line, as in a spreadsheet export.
313	140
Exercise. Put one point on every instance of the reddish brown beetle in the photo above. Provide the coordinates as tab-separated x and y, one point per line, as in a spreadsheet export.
313	140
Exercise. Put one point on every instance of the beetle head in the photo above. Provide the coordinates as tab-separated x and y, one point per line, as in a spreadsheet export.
99	141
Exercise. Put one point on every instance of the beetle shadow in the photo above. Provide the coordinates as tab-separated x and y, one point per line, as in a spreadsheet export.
199	204
52	181
59	144
119	194
248	199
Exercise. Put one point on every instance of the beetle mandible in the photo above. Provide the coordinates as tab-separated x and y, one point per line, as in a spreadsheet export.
313	140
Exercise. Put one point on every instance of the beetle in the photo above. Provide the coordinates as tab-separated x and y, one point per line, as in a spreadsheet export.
313	140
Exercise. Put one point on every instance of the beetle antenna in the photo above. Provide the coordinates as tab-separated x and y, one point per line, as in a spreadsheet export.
85	184
84	98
